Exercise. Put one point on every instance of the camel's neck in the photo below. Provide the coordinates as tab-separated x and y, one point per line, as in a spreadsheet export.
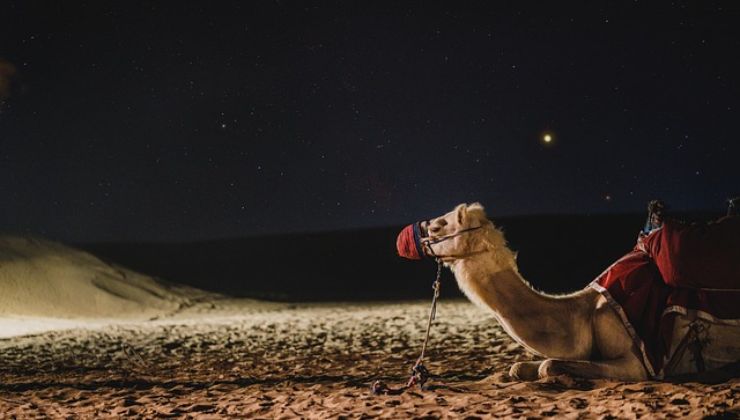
552	326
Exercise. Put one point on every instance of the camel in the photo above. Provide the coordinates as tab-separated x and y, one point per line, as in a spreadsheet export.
577	334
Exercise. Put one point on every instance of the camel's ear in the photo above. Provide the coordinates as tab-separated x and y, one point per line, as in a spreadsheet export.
477	207
462	213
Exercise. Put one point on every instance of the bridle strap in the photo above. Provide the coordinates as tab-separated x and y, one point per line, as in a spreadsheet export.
444	238
429	242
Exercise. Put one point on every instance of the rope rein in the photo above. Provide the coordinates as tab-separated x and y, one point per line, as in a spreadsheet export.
432	310
419	372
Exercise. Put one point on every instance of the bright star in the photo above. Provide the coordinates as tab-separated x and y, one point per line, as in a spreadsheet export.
547	138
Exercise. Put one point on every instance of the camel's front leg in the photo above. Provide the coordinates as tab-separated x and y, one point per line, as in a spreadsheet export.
626	369
525	371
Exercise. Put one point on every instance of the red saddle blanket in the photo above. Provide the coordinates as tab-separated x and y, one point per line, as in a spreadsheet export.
675	269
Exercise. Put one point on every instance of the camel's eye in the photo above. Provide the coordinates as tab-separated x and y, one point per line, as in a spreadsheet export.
437	225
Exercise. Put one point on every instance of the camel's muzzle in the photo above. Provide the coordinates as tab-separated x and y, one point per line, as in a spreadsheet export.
414	243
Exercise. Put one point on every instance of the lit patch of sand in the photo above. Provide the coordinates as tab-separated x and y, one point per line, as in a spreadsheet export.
49	286
224	358
40	278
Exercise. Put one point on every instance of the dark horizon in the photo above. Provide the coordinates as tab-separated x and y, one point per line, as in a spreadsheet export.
687	216
190	121
555	253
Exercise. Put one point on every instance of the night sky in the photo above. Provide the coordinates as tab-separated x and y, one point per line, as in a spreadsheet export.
196	120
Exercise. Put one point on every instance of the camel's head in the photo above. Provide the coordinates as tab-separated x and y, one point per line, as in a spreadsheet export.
455	234
464	216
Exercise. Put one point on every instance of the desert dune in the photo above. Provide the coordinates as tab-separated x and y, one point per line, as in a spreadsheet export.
46	285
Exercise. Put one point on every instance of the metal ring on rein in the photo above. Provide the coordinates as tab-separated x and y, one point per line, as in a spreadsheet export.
419	372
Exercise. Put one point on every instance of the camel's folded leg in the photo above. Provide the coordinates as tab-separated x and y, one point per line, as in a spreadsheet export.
626	369
525	371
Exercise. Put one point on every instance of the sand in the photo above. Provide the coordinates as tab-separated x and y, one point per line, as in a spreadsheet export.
82	338
48	286
43	278
231	358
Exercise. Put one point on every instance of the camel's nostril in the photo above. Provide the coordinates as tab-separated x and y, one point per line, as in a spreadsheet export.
434	229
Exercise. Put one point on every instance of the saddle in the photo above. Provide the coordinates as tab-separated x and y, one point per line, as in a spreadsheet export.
677	293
